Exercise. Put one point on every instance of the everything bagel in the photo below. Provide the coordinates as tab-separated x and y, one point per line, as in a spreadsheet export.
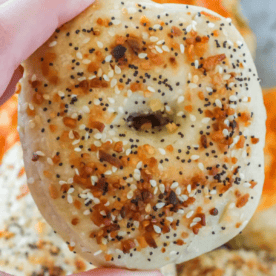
143	130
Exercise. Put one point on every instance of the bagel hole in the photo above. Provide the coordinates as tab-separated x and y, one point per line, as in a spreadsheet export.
143	122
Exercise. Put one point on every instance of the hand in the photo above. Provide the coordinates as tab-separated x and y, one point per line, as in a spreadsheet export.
24	26
117	272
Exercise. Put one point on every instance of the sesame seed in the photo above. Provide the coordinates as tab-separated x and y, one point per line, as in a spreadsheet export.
218	103
226	77
180	100
33	78
189	214
98	252
82	127
160	42
52	44
40	153
193	85
86	40
205	120
148	208
225	132
97	102
174	185
247	185
100	44
192	118
113	83
233	98
110	74
211	25
182	48
153	183
97	143
160	205
154	39
151	89
162	151
197	219
61	94
118	70
157	229
86	61
108	58
79	55
201	166
166	48
50	161
106	78
111	100
98	136
69	199
162	188
70	191
86	109
158	49
116	22
142	55
178	191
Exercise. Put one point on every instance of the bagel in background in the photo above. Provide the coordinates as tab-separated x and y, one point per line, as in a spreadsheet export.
28	245
224	262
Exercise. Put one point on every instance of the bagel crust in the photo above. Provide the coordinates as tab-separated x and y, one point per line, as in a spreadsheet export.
143	130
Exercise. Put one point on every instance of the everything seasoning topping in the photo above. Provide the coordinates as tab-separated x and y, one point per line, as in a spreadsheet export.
149	129
119	51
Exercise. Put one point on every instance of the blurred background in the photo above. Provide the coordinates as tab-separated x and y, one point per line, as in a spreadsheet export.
28	246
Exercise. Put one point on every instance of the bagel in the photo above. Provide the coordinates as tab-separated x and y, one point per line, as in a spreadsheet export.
28	244
223	262
143	128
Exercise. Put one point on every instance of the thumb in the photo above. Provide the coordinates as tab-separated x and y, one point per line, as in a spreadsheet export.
117	272
25	25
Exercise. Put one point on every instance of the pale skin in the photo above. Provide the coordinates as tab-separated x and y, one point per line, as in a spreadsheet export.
24	26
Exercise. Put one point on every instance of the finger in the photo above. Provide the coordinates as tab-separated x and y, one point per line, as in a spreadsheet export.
17	75
118	272
25	25
3	1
